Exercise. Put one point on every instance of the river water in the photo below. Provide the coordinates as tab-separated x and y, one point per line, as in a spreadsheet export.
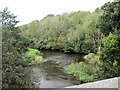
52	73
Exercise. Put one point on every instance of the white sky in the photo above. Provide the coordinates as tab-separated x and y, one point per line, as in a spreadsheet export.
28	10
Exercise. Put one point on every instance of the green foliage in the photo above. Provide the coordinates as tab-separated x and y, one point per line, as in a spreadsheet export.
89	56
83	71
111	43
32	56
87	48
50	15
33	51
110	55
93	59
70	32
13	75
109	24
68	47
110	18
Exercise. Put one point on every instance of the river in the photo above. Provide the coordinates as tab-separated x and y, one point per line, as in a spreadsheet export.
52	73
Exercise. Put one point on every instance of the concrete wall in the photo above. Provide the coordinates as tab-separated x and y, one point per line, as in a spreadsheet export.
107	83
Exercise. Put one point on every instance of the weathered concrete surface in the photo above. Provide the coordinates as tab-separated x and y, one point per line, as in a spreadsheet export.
107	83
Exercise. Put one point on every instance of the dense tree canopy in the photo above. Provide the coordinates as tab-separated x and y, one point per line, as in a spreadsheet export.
110	18
73	32
110	26
13	75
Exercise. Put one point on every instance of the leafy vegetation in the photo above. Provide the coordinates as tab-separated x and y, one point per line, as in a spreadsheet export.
110	55
110	26
84	72
93	59
74	32
13	75
110	18
32	56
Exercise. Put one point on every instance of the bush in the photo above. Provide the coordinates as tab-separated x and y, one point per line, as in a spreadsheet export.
93	59
87	48
68	47
32	56
88	57
13	65
110	55
83	71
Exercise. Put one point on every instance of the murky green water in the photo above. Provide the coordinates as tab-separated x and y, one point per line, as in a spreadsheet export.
51	72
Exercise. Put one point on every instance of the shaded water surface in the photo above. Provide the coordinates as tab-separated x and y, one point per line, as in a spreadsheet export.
51	71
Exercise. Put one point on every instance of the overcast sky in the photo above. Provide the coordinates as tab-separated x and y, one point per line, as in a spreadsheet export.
28	10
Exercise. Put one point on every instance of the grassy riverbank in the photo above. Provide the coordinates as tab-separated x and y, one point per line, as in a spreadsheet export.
86	71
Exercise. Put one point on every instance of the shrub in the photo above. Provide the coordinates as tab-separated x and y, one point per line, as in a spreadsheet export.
110	56
88	57
87	48
69	47
83	71
93	59
33	56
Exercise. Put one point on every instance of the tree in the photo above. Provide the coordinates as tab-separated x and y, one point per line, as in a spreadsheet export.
8	19
70	32
110	18
109	25
110	55
12	47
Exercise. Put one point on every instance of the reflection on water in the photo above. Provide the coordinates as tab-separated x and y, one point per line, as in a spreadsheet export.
51	72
